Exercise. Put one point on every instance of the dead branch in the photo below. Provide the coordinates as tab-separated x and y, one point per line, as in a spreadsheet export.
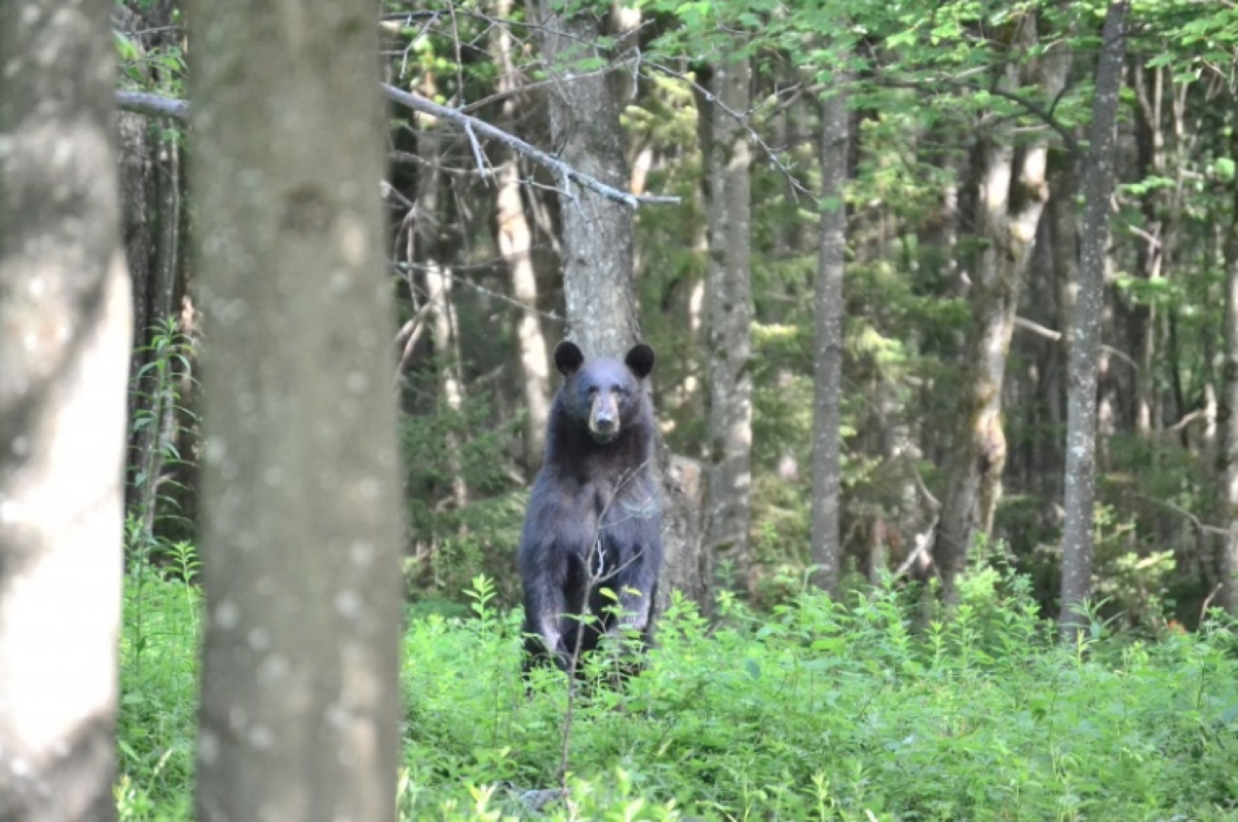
154	105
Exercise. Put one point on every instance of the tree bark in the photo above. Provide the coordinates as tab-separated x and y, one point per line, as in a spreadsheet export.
515	240
439	282
65	333
300	535
828	354
1098	182
1227	565
1010	193
728	298
598	272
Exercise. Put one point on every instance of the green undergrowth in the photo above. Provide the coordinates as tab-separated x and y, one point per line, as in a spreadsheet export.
818	711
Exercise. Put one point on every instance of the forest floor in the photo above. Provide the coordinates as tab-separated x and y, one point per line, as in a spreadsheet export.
816	711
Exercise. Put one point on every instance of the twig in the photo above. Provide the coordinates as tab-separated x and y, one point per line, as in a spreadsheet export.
1203	609
922	556
405	270
1056	336
1037	328
409	334
1178	509
482	166
741	117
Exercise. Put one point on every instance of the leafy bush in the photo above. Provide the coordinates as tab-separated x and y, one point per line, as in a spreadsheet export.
818	711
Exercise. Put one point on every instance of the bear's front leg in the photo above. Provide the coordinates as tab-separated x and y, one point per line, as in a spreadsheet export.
544	608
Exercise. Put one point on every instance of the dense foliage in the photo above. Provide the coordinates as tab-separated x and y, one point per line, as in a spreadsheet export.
823	711
927	89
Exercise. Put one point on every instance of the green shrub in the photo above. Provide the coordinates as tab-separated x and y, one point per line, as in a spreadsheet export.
819	710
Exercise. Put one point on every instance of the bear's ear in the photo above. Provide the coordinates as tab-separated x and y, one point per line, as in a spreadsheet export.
640	360
568	358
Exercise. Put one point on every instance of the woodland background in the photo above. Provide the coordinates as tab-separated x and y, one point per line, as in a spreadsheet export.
945	300
965	149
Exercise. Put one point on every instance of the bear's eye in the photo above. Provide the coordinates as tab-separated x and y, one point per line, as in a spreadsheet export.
620	390
593	390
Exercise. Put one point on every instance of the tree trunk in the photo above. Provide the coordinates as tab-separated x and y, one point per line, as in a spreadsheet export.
300	537
150	195
1098	183
431	217
828	355
515	240
598	275
1227	566
1010	193
728	297
65	334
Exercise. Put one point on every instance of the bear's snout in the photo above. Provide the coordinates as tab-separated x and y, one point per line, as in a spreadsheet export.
604	418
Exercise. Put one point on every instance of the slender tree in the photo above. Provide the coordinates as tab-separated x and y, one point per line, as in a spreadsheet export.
1098	182
828	355
300	535
728	307
1227	565
515	240
64	352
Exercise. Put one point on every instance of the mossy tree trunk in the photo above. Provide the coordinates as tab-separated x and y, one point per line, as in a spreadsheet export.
1009	189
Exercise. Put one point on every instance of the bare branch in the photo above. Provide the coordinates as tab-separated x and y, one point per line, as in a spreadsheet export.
560	169
155	105
741	117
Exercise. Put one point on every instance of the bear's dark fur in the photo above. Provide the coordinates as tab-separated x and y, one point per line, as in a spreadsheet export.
594	519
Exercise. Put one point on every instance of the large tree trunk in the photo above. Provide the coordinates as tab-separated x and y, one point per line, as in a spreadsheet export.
1010	193
598	275
1098	182
828	354
300	539
728	299
64	349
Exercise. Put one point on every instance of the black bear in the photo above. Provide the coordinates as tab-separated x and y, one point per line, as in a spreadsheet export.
594	520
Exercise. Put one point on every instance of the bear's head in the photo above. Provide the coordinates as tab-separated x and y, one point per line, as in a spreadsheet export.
605	393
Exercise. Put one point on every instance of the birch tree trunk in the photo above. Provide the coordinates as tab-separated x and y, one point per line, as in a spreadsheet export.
65	333
728	300
828	355
1098	183
1010	193
300	535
